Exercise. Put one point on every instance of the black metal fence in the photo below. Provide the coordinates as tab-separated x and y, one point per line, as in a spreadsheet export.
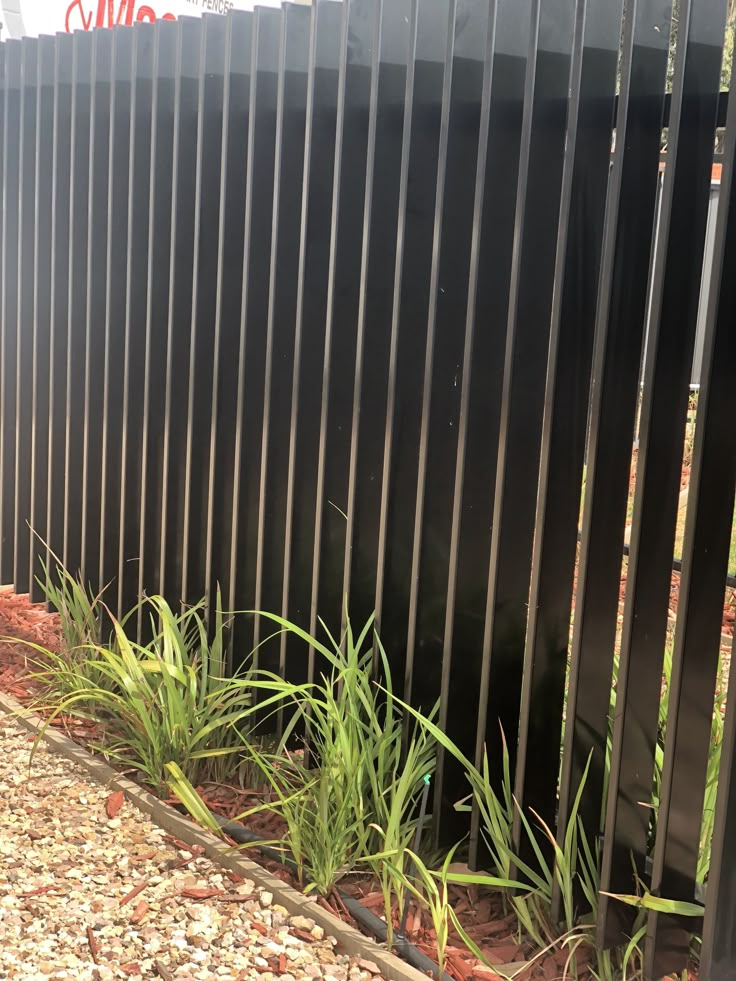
307	303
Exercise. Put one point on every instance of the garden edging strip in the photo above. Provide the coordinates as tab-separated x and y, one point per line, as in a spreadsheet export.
170	820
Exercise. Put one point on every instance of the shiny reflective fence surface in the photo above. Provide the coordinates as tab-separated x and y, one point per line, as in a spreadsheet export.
343	307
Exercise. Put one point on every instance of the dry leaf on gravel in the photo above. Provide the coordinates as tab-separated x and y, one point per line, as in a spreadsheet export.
200	893
114	803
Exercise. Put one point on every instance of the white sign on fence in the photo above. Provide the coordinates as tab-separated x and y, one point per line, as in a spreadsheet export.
20	18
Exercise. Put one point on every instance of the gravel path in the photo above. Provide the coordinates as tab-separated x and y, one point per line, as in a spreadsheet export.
84	895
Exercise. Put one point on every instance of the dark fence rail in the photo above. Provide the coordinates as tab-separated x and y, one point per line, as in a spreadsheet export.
339	301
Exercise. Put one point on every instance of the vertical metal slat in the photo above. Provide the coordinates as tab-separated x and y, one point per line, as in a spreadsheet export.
567	385
482	364
181	266
136	300
59	299
316	199
26	311
360	28
236	98
42	278
9	301
378	260
163	109
271	460
620	317
429	596
115	318
253	317
525	362
204	297
427	83
98	233
78	233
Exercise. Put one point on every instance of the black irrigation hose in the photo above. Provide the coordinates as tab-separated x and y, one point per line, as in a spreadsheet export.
372	923
676	563
369	920
677	567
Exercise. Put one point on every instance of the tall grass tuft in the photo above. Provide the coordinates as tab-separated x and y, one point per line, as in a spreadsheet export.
70	669
574	863
80	611
354	792
166	701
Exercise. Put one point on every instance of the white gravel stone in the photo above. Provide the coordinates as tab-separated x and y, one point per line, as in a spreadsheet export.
302	923
66	871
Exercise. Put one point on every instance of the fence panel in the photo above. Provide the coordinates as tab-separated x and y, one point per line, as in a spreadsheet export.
339	310
696	661
676	292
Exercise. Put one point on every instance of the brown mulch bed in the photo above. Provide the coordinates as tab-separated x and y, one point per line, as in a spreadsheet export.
23	621
482	915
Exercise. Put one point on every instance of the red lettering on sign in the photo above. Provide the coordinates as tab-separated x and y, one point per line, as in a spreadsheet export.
76	5
111	19
79	15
